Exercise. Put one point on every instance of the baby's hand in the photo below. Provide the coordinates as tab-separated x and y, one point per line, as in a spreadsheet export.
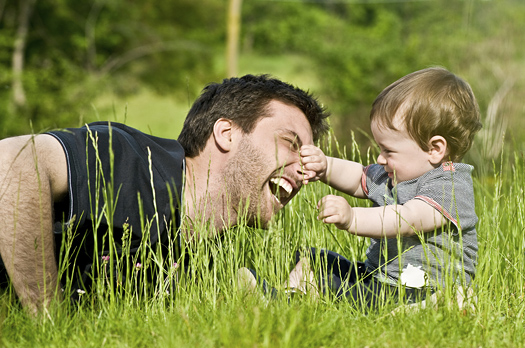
314	163
335	210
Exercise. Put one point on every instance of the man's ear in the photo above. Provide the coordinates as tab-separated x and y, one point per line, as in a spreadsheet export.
222	134
438	149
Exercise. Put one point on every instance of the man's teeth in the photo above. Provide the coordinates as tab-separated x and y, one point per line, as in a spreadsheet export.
285	185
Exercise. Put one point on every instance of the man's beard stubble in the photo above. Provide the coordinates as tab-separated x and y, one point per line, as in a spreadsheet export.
243	178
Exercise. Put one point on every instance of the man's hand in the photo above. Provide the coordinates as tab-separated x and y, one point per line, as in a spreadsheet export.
336	210
314	163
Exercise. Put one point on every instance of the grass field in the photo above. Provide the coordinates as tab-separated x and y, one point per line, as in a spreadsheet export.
208	307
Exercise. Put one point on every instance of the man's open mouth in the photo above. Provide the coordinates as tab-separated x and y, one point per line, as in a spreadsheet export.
281	189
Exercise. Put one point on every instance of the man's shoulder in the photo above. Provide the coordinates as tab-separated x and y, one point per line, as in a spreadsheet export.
101	132
126	149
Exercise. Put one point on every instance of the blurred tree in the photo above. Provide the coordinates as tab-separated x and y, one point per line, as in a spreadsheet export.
232	44
75	50
354	49
19	96
69	51
357	48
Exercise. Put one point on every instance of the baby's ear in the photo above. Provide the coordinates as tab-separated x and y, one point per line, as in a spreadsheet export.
438	149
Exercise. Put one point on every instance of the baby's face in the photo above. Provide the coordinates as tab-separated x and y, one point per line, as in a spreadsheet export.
400	155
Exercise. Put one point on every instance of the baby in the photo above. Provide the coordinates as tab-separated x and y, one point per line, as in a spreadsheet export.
422	223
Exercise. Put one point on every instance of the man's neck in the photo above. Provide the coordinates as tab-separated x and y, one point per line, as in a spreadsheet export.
205	204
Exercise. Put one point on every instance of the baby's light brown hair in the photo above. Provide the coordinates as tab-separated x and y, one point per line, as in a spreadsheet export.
431	102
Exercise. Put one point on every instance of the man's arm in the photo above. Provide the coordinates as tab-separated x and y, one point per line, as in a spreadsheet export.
33	174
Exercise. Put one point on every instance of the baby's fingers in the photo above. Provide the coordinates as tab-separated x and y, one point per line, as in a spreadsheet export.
310	150
330	215
329	200
335	210
310	167
328	206
308	175
325	213
309	155
332	219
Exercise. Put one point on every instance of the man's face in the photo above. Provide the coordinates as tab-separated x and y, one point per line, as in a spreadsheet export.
266	173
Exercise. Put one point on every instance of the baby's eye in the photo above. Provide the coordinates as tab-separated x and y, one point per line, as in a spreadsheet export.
386	152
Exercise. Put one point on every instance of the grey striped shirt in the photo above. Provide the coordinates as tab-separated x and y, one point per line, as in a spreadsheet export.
449	252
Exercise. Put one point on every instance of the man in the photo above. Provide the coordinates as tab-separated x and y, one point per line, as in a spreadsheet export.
239	147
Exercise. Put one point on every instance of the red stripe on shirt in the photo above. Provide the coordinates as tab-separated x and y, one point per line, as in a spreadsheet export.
437	206
363	180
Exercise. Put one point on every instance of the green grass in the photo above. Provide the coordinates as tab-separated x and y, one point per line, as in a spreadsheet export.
207	307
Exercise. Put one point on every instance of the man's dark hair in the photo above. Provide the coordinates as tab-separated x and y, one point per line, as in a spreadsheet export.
244	100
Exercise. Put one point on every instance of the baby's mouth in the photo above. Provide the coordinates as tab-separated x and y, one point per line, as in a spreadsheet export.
281	189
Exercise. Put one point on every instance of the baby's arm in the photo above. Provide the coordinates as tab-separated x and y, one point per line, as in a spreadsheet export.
380	222
343	175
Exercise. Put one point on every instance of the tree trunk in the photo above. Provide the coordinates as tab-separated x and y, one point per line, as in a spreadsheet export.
234	25
2	6
19	96
91	24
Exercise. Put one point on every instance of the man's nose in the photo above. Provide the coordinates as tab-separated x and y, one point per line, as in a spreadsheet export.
297	169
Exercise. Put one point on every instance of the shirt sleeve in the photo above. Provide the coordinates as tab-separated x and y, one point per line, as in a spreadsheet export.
449	189
374	178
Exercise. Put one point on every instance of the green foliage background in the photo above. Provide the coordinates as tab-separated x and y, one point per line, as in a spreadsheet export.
85	53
